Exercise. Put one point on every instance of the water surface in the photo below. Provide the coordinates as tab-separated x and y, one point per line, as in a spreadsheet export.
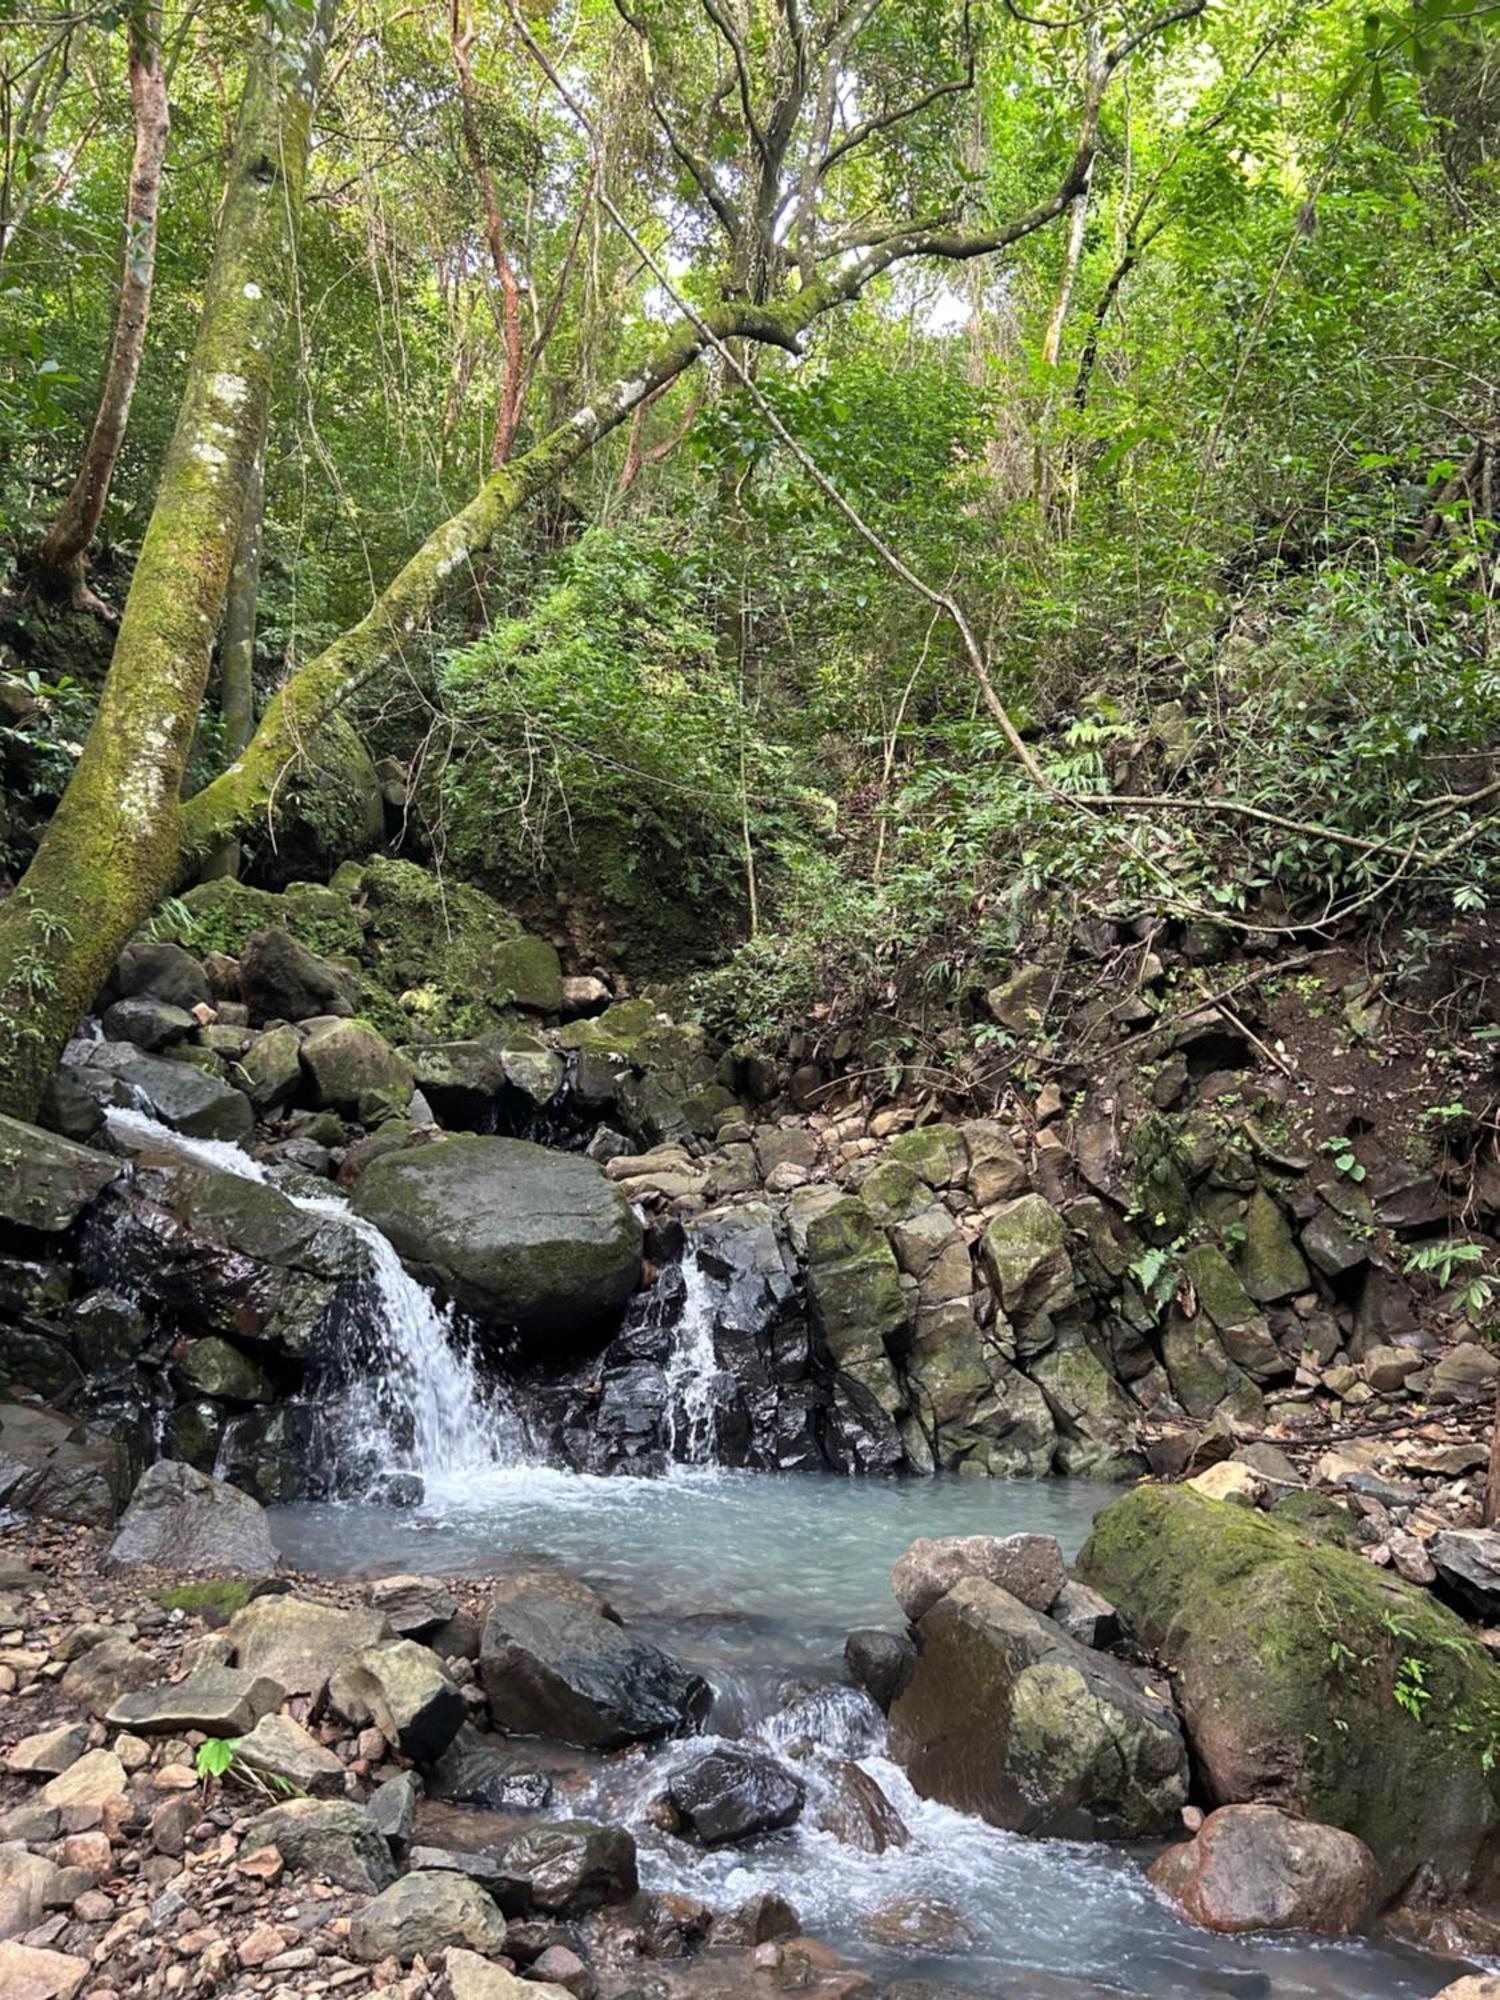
756	1580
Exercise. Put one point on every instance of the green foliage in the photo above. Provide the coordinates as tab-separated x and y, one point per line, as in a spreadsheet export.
601	740
215	1756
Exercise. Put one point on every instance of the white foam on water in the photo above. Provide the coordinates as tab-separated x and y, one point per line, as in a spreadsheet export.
690	1370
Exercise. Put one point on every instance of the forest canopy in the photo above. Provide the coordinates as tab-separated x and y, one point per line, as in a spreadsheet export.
811	491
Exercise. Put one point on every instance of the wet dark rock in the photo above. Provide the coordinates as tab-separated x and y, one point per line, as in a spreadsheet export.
881	1663
758	1920
851	1806
554	1668
281	980
179	1094
47	1181
733	1795
56	1468
179	1518
573	1866
478	1770
214	1253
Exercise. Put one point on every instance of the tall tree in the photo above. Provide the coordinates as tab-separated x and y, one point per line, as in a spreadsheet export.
121	838
113	843
60	561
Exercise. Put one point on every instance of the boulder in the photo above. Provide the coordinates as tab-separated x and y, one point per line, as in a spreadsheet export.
59	1470
1288	1655
393	1807
299	1641
1467	1561
1257	1868
572	1866
1241	1326
555	1668
162	972
281	980
46	1181
101	1674
1030	1567
214	1367
181	1519
1086	1616
474	1978
150	1024
352	1068
1096	1421
1468	1373
413	1606
1008	1717
179	1094
272	1068
221	1701
485	1771
1272	1268
731	1795
425	1913
854	1288
1025	1251
97	1777
535	1239
27	1972
283	1751
402	1688
331	1837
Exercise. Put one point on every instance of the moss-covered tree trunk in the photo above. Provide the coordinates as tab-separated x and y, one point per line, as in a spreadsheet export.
111	850
237	647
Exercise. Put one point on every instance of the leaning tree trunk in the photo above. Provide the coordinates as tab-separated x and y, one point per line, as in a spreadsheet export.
111	849
58	567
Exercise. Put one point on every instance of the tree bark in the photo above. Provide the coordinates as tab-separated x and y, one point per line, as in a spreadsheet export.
59	562
111	849
237	647
513	380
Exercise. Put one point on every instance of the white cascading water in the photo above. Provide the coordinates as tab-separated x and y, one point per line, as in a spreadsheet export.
690	1369
429	1382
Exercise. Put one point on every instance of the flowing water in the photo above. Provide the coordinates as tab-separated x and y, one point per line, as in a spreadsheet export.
755	1580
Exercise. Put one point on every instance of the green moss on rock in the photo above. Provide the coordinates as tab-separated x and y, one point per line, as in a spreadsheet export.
1312	1680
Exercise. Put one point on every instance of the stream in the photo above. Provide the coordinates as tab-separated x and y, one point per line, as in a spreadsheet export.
755	1580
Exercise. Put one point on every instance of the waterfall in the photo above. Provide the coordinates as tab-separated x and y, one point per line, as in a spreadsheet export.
691	1368
411	1399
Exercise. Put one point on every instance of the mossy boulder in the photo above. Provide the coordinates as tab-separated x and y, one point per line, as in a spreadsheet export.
936	1154
1008	1717
225	914
330	805
1026	1255
463	959
1096	1420
352	1068
533	1240
1309	1679
214	1367
46	1181
854	1285
1271	1265
1241	1326
1202	1375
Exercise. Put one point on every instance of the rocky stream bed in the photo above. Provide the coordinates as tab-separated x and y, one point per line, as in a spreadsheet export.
434	1394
